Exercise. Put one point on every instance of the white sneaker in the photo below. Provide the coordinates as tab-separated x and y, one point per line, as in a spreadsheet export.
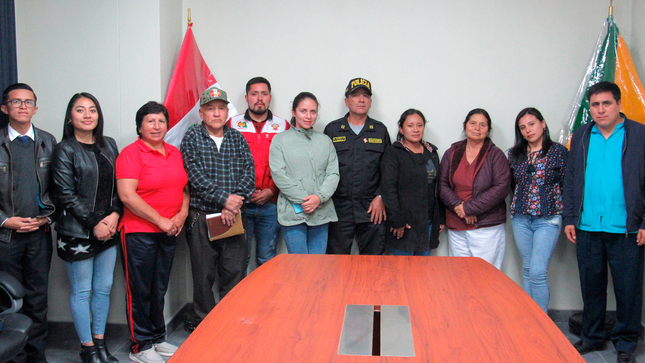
166	349
147	356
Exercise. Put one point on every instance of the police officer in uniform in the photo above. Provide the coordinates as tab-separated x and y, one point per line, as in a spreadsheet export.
360	142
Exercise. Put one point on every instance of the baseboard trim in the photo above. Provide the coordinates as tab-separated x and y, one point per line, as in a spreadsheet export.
178	319
561	316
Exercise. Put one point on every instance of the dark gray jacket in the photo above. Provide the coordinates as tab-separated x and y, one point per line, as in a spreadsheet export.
45	143
633	166
76	181
490	187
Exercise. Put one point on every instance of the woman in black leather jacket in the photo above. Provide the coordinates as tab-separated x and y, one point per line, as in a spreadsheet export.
85	192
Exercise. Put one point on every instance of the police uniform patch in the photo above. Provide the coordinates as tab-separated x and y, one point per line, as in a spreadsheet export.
340	139
375	141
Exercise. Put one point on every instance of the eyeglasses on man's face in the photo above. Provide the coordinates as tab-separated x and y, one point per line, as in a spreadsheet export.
16	103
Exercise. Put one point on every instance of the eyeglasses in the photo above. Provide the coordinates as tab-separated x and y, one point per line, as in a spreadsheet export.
16	103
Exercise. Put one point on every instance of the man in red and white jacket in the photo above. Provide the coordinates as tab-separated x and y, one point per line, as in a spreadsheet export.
259	126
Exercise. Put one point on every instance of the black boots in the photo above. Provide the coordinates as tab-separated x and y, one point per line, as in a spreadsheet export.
103	354
97	353
89	354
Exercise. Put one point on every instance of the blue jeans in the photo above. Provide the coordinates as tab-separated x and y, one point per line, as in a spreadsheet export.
536	237
397	252
263	224
304	239
596	250
91	276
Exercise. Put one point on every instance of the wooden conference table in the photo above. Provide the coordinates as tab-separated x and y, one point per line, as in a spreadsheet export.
291	309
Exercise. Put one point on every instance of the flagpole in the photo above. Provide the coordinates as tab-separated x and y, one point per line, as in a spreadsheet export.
611	8
191	23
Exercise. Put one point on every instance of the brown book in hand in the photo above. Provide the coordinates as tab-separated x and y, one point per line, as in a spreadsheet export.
218	230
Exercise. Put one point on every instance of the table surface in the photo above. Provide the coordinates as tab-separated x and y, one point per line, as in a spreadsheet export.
291	309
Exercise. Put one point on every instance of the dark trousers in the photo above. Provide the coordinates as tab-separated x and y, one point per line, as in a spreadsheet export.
369	236
27	257
625	258
147	259
225	257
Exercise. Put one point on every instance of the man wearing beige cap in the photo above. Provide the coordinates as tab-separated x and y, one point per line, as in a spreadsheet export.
221	177
359	141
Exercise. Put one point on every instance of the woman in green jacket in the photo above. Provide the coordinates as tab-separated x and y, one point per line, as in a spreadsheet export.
304	167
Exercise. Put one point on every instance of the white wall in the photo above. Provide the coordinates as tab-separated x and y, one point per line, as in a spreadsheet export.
123	52
637	45
443	58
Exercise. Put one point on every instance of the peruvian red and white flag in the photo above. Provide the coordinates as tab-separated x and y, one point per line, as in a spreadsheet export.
191	77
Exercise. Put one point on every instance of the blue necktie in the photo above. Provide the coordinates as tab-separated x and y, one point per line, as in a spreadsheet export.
24	139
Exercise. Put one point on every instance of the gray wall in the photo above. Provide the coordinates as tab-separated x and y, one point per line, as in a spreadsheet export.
123	52
443	58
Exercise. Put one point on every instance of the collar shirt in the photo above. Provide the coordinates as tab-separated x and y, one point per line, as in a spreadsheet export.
603	207
216	173
161	182
13	133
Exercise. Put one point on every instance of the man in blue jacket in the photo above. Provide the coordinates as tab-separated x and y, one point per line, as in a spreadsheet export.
604	197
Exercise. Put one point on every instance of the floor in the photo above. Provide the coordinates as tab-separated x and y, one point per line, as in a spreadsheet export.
63	345
561	319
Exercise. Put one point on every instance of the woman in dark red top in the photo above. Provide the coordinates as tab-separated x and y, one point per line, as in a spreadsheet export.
474	180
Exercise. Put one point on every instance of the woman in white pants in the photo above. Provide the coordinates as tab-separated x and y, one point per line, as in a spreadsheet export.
475	179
